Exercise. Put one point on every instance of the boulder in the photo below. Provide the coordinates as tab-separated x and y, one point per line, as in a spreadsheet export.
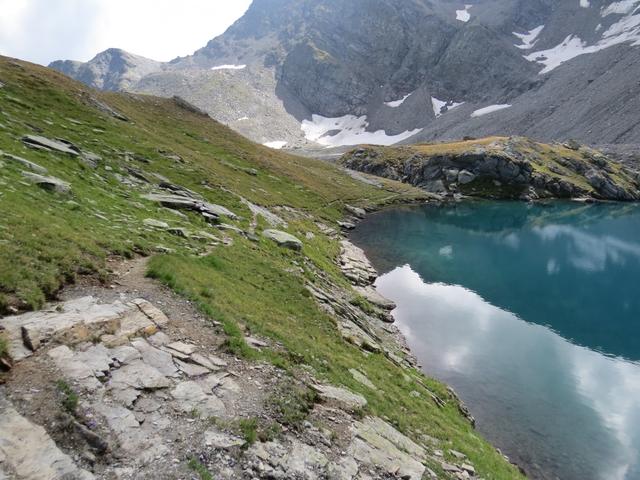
150	222
343	397
48	183
465	177
356	211
43	143
283	239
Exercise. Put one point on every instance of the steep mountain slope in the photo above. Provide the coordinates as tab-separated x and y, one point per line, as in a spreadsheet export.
113	69
383	72
250	238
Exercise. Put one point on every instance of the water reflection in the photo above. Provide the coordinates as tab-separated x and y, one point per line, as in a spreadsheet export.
543	339
563	410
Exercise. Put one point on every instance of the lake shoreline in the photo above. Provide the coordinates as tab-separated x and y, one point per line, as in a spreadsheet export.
356	220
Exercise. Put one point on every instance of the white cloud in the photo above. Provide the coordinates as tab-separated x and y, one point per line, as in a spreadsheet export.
45	30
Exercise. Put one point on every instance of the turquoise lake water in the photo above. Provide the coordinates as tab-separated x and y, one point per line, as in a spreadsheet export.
532	313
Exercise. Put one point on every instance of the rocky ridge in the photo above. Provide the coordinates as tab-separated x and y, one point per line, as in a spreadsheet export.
500	167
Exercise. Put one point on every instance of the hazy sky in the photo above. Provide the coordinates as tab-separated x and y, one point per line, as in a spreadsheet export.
45	30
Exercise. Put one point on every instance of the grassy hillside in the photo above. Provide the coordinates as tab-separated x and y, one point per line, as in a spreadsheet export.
48	238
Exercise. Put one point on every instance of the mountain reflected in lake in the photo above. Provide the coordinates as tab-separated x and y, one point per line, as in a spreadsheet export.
533	314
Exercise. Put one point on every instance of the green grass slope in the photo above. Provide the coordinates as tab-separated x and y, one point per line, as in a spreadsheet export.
47	239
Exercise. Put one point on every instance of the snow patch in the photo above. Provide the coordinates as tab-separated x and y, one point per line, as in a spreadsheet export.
397	103
585	3
277	145
242	119
491	108
530	38
438	105
623	7
463	15
625	30
229	67
348	130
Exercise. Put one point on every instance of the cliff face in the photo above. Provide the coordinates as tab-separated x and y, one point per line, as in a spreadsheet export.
423	69
502	167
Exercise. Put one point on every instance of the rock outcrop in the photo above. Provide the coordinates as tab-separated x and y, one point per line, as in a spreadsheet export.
500	167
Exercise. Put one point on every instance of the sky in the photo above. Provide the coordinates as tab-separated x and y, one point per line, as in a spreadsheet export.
45	30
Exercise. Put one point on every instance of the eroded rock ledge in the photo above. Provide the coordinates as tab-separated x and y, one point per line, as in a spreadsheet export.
500	167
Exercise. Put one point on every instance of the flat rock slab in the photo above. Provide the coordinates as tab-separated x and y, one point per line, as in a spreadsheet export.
49	144
72	322
355	264
28	451
283	239
221	440
52	184
371	295
190	397
362	378
378	444
341	396
187	203
34	167
292	459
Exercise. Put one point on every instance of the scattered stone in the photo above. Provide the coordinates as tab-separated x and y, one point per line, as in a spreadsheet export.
48	183
220	440
156	315
458	455
255	342
150	222
156	358
347	225
90	159
362	378
210	211
465	177
341	396
62	146
190	397
186	348
358	212
271	218
378	444
34	167
139	375
283	239
191	370
373	296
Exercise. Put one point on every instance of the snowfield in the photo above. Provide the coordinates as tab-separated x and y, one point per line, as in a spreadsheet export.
625	30
348	130
397	103
277	145
530	38
438	105
463	15
229	67
491	108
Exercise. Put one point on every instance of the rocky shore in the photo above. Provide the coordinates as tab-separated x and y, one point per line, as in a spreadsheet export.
501	167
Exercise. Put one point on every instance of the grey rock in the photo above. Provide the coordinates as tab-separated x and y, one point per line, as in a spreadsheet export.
283	239
221	440
378	444
465	177
53	145
362	378
150	222
28	450
343	397
48	183
34	167
189	396
358	212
